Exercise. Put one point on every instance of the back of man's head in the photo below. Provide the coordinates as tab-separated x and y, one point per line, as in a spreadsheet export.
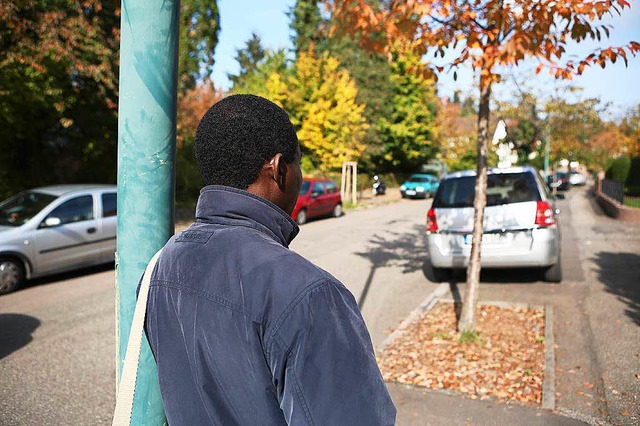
237	135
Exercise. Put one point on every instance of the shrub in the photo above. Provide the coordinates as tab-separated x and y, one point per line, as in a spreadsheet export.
619	169
632	183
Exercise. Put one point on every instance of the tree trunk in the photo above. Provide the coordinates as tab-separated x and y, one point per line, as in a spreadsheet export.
468	316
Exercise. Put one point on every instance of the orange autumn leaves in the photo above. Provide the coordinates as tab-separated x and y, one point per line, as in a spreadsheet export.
487	34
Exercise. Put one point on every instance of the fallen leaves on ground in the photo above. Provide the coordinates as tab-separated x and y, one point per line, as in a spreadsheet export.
507	363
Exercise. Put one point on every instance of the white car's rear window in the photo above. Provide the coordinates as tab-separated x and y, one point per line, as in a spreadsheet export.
502	188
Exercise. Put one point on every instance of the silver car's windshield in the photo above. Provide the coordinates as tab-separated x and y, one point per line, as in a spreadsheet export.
502	188
19	209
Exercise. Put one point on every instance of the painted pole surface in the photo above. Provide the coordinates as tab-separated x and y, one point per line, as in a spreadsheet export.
146	171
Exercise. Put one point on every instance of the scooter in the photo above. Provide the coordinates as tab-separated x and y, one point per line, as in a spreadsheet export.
379	188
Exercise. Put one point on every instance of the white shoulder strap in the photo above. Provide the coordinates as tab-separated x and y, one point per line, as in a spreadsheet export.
126	390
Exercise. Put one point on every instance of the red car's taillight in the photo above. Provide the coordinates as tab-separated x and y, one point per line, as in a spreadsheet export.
432	224
544	214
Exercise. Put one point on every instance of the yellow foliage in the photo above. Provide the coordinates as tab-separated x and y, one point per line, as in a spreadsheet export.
322	101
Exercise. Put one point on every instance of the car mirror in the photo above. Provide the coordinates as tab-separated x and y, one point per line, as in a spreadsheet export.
315	194
52	222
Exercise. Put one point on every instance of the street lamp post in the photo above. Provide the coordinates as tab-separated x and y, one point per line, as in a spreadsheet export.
146	172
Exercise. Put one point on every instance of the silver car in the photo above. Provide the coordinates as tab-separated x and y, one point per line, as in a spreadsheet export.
54	229
520	223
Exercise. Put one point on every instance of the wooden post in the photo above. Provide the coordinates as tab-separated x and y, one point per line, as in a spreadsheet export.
349	181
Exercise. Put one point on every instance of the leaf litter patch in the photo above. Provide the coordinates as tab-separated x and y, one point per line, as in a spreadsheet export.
506	361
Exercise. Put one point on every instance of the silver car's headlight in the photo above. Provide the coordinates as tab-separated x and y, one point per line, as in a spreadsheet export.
420	189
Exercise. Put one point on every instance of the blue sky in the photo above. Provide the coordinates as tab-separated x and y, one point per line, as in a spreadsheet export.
617	84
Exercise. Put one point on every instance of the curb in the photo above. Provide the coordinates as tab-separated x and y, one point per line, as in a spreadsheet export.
425	306
548	401
549	381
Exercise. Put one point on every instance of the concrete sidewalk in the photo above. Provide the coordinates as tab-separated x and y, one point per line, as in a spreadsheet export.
596	329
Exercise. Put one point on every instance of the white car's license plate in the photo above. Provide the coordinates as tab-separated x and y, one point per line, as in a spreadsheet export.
488	239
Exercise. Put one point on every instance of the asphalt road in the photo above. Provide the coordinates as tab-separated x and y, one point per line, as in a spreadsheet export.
57	344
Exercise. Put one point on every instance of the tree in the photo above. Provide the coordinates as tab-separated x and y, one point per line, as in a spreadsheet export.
488	35
199	28
307	25
457	136
248	59
321	100
630	127
58	92
256	65
572	126
370	70
408	133
192	105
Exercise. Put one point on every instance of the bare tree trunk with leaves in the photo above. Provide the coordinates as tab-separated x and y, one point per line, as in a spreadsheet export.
468	317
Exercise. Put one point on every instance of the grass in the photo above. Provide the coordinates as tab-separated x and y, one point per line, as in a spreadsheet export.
632	201
468	337
349	205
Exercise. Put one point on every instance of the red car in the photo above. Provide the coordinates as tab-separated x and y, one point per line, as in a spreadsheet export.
318	197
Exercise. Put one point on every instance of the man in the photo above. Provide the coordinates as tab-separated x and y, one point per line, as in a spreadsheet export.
245	331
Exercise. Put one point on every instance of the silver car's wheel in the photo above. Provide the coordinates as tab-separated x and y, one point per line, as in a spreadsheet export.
11	275
301	219
553	274
337	210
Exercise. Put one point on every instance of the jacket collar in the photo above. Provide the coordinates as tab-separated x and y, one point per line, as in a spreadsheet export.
231	206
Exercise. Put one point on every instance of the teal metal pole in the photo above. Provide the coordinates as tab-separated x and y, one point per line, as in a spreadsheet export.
146	171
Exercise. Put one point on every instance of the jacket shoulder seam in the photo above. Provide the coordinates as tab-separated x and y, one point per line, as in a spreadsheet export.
292	305
205	295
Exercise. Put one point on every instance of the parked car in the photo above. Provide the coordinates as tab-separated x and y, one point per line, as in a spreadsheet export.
317	198
420	186
559	180
577	179
520	223
54	229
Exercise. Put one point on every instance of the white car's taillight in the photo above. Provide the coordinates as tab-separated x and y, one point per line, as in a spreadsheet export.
432	224
544	214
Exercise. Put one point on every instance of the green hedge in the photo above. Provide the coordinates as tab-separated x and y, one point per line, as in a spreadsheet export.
626	170
619	169
632	183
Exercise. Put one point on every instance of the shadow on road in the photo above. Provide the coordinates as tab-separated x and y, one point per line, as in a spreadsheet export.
619	272
404	250
15	332
407	250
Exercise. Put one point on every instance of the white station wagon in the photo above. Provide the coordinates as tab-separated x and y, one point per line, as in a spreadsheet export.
520	223
54	229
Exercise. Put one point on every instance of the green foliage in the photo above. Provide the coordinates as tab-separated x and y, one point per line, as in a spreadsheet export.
199	28
321	101
248	59
369	70
632	183
408	133
254	75
58	91
306	22
619	169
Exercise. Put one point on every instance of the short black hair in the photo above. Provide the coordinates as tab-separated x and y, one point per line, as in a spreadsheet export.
237	135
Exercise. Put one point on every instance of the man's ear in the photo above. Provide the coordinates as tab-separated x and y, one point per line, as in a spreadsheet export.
278	170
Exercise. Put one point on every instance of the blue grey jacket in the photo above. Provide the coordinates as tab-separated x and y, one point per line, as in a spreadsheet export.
247	332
